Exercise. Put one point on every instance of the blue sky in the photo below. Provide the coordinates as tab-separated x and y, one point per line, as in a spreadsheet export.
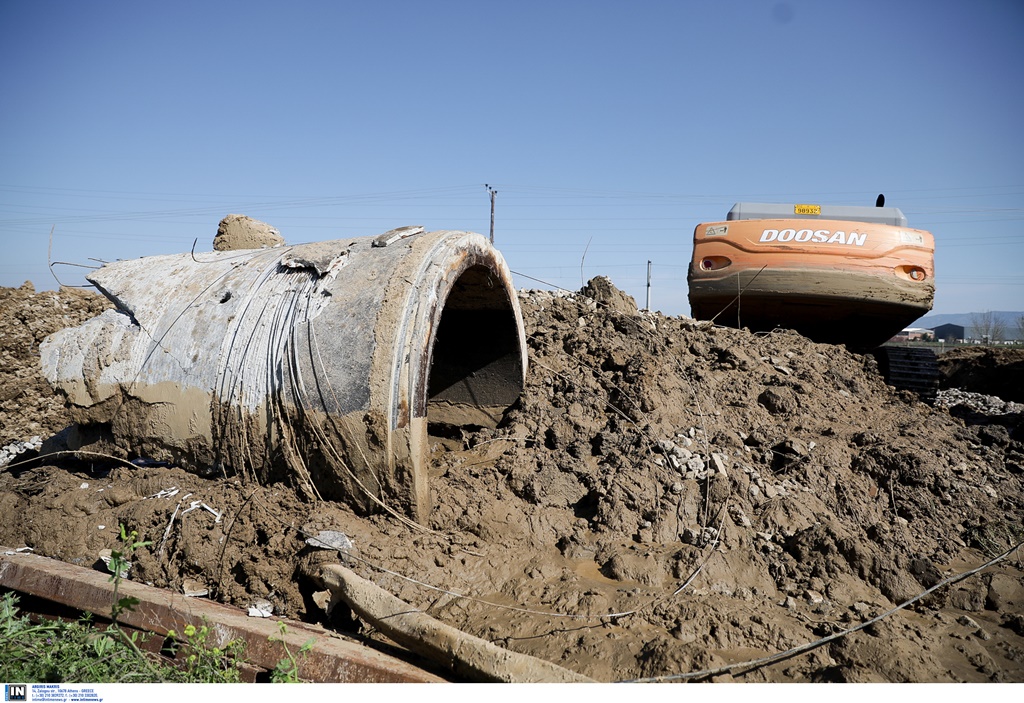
608	129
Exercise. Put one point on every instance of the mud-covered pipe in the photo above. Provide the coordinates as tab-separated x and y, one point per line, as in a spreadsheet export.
466	655
324	363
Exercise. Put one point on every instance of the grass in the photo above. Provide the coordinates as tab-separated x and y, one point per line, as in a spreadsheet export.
61	651
80	652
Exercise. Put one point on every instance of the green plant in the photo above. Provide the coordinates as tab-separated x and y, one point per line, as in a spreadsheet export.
203	663
61	651
287	670
120	562
206	663
77	652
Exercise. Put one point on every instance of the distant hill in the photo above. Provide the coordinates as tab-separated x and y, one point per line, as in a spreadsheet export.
966	319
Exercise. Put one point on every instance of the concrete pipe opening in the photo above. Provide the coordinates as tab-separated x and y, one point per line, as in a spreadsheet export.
323	364
476	367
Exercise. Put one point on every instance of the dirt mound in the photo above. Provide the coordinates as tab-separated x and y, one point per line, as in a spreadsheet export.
997	371
665	497
27	405
242	232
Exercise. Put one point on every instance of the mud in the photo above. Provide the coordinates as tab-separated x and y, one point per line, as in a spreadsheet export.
667	496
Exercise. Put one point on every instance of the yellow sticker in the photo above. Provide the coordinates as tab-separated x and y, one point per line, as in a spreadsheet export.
807	209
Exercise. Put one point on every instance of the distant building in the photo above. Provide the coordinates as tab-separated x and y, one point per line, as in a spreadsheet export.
913	334
949	333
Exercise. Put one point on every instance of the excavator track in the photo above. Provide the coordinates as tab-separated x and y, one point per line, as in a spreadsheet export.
910	368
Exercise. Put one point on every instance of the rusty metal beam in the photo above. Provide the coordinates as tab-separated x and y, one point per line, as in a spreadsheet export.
331	659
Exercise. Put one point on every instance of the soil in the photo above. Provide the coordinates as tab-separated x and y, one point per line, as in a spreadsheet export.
666	497
995	371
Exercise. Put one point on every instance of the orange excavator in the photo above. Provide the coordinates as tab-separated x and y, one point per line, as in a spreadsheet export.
852	275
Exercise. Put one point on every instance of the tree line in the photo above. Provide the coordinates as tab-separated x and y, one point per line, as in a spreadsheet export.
988	325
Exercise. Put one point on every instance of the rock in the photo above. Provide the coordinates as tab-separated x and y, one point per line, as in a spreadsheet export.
1015	622
967	621
969	596
1003	592
192	588
778	400
788	453
241	232
682	454
665	446
978	403
10	452
738	516
926	573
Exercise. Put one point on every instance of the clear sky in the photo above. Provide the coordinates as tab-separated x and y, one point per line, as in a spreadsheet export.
608	129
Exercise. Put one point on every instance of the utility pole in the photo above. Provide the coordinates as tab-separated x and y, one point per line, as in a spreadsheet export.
648	308
493	193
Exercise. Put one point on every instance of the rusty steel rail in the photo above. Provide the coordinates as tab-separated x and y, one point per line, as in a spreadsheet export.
331	659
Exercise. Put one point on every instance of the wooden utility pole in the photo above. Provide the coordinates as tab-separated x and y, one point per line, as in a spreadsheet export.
493	193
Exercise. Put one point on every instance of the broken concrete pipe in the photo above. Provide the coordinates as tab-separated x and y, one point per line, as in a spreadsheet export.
323	362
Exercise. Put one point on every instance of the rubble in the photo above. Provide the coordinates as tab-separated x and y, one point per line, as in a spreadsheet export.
977	402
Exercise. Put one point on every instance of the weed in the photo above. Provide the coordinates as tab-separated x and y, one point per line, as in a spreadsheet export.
60	651
120	562
206	663
287	670
78	652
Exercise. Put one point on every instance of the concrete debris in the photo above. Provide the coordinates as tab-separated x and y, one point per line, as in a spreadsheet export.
191	588
331	539
325	659
14	450
261	608
398	234
977	402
